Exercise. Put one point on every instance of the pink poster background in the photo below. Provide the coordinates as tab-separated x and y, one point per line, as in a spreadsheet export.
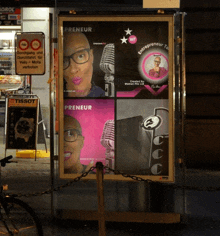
92	120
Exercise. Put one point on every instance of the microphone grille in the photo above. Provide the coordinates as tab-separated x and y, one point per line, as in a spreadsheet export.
108	134
108	58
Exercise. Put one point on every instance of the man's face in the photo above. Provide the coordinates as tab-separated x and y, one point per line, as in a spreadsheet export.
157	61
77	76
72	149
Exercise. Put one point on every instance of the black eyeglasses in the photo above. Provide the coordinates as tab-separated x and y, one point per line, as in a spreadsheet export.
79	57
71	135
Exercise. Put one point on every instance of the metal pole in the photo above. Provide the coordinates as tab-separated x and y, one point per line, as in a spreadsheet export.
183	109
51	116
101	207
30	84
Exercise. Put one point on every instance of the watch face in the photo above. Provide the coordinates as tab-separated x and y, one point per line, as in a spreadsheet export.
151	122
20	91
24	128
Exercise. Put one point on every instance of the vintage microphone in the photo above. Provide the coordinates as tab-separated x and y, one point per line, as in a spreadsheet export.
108	141
107	65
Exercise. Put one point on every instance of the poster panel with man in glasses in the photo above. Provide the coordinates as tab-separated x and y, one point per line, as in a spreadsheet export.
83	71
88	134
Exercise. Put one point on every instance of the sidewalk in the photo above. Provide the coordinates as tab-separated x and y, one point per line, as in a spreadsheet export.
30	176
34	176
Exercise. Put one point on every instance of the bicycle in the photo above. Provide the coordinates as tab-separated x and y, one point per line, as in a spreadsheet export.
16	216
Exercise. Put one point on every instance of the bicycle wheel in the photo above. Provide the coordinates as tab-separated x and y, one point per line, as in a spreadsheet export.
21	220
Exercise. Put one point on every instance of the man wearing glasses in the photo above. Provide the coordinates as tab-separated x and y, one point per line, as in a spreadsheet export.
78	67
73	144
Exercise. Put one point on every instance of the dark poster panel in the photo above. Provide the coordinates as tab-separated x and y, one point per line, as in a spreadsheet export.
126	59
21	123
142	136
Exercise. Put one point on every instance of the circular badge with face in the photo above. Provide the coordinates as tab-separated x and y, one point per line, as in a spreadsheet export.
153	65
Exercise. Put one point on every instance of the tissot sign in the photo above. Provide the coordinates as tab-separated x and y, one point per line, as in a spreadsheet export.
30	54
21	102
22	120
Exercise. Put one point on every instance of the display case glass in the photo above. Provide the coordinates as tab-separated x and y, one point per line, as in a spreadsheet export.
116	100
8	79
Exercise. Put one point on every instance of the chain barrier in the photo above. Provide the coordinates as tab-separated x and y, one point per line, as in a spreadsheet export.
117	172
77	179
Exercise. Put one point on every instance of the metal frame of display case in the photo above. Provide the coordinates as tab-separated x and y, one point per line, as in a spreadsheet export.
177	106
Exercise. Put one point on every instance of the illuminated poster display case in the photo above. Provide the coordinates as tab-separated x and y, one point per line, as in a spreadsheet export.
116	96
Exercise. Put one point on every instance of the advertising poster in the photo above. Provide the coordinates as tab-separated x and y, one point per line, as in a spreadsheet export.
22	121
88	133
115	81
122	59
